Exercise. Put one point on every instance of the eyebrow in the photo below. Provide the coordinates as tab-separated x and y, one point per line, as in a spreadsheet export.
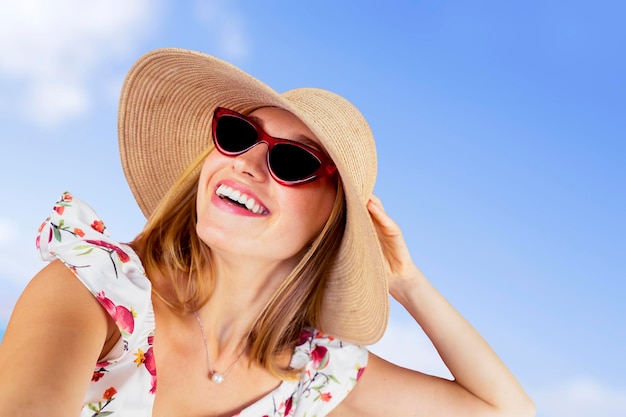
308	142
305	140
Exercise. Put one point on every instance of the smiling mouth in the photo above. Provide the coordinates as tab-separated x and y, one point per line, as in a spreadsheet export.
243	200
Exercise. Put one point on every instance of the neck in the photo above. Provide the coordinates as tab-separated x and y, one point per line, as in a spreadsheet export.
222	327
242	290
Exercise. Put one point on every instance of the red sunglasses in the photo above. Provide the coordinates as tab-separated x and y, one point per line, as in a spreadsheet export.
289	162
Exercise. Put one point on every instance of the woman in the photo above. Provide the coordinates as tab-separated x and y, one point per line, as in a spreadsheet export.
263	270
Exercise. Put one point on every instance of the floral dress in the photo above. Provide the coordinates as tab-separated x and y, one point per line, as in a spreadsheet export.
124	382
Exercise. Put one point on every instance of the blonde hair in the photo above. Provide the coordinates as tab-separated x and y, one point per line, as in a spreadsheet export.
169	244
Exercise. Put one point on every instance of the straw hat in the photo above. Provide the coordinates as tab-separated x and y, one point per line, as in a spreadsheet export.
165	113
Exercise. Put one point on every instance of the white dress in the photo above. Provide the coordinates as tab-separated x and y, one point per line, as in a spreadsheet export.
124	383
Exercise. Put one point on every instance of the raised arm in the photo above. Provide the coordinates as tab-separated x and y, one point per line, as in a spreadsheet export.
55	335
483	386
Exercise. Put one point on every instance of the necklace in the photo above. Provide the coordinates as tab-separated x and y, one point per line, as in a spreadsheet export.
215	376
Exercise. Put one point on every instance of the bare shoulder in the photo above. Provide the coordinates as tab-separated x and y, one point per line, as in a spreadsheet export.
54	291
53	279
55	335
56	301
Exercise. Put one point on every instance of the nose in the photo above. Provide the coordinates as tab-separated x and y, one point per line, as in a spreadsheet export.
253	162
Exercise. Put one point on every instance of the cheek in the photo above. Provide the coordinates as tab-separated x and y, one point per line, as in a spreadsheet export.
314	211
211	164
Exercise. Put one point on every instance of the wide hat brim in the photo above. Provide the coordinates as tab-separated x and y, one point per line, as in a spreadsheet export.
165	113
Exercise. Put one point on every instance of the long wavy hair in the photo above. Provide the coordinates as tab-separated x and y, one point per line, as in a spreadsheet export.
169	243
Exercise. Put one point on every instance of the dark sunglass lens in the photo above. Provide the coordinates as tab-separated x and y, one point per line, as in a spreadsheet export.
292	163
234	134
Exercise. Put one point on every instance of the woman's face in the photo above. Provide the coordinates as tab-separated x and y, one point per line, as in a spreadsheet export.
279	220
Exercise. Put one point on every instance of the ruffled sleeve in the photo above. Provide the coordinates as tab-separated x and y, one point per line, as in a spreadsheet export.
113	273
331	370
110	270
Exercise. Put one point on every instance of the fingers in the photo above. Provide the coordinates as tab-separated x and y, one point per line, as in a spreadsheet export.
376	209
380	217
376	201
390	237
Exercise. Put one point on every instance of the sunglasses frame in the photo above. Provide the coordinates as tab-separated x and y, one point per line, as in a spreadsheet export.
326	168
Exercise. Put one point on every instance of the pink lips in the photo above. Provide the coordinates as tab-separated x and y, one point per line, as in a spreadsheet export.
230	190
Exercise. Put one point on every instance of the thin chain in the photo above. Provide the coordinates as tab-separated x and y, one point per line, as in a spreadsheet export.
216	377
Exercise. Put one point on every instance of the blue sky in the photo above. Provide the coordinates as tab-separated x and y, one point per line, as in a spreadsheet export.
501	137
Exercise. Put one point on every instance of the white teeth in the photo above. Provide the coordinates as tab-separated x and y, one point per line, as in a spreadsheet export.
243	199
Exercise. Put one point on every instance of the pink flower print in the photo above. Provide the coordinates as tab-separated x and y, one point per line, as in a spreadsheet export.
108	305
149	361
150	365
67	197
39	230
110	248
59	209
288	405
79	232
304	336
124	319
359	373
122	316
320	357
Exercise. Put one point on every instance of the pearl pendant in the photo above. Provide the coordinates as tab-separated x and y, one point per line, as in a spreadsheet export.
217	378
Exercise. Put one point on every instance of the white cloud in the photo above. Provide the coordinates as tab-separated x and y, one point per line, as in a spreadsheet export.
226	24
8	231
405	344
581	397
50	103
53	51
